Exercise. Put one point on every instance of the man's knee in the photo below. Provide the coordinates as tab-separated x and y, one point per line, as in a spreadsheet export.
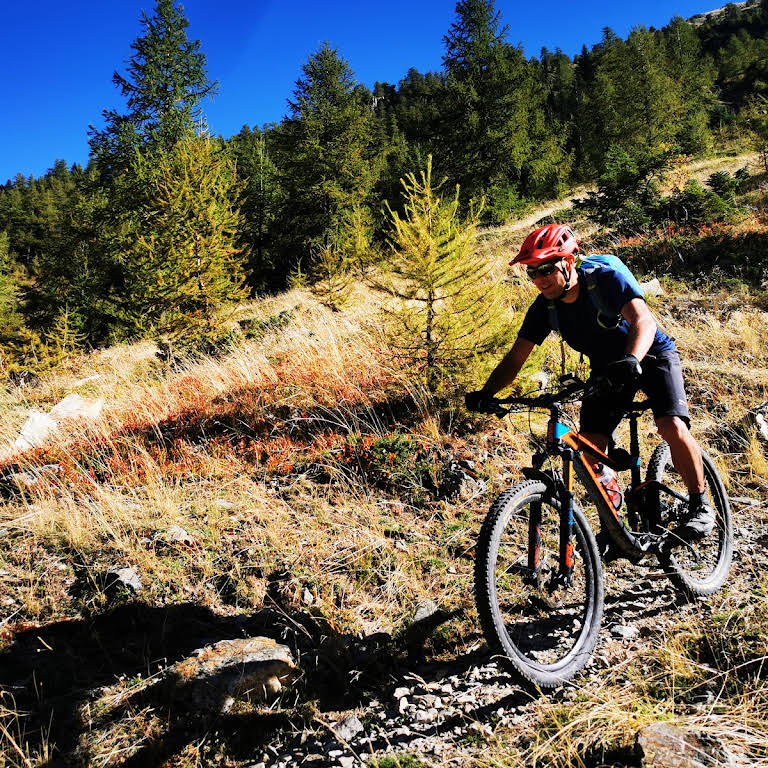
673	429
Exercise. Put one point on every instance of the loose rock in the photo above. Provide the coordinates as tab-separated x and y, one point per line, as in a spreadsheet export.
252	669
348	728
128	577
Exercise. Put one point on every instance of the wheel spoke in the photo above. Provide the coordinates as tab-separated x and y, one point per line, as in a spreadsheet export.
544	625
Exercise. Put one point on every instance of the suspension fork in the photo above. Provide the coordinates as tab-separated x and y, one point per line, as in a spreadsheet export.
565	574
534	541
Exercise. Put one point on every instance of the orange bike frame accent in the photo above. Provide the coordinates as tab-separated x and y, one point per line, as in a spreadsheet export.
579	443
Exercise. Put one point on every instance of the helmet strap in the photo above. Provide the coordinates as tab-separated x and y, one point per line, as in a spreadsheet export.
567	275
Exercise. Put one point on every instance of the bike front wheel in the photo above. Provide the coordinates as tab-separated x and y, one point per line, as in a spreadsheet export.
697	567
543	630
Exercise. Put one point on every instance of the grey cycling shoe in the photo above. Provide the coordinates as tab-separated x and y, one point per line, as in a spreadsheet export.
698	523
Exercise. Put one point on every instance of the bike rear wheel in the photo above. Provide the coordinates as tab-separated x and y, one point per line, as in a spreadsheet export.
543	631
697	567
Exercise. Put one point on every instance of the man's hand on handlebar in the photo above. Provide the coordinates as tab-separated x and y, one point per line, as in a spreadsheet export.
480	401
623	374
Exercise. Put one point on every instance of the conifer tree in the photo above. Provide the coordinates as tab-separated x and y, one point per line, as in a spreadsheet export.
161	242
184	265
419	110
486	132
632	102
163	87
10	315
261	202
656	103
331	278
63	339
357	239
557	76
446	310
327	159
82	271
694	74
755	117
492	105
333	267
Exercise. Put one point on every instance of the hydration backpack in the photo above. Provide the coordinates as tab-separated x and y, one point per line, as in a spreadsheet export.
607	317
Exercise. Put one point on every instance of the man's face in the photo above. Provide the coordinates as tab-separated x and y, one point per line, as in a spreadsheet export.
548	277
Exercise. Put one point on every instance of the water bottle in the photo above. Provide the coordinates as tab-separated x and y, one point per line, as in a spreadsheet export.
607	478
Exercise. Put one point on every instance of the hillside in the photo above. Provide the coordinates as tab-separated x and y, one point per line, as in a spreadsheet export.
700	18
301	486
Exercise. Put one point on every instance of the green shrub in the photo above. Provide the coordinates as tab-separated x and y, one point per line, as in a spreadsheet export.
628	199
256	329
503	203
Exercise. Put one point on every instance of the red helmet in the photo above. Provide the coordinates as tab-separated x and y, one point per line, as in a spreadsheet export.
546	243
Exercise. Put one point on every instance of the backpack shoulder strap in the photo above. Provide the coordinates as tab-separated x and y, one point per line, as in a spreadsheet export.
554	323
606	318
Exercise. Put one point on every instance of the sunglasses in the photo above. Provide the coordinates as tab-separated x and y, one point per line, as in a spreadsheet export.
543	270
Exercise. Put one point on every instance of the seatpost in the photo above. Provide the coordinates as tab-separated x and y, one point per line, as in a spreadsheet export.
634	449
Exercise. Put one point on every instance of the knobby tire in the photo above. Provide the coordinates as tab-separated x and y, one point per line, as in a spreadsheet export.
543	636
701	567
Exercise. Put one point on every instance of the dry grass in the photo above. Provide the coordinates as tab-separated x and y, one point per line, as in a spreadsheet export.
303	467
231	451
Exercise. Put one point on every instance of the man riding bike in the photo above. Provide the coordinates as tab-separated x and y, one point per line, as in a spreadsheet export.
619	335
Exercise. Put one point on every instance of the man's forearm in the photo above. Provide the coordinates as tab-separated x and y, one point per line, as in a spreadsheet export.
639	340
642	328
506	371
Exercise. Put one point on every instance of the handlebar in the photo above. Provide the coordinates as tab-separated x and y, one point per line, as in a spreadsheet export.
545	400
571	389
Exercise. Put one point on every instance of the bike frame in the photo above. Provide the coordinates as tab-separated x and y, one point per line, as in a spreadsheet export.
578	454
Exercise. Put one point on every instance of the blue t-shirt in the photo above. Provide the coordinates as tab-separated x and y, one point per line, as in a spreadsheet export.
578	323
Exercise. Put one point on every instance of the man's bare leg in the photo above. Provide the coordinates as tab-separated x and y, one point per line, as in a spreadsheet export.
686	454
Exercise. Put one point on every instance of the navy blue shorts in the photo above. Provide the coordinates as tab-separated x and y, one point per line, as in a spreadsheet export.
662	382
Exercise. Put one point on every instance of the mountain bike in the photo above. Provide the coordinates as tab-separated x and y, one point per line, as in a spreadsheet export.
538	572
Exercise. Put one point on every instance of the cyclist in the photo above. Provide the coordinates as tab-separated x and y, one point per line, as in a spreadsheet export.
628	350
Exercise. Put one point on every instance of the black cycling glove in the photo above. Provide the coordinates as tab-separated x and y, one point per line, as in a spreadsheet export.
624	374
481	401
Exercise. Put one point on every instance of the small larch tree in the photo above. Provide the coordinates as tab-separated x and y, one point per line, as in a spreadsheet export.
184	266
447	308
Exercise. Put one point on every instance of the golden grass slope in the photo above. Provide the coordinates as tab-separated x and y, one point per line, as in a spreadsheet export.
305	468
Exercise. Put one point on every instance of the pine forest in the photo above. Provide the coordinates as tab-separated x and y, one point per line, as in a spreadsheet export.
241	497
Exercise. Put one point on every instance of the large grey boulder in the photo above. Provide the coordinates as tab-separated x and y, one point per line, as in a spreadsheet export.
661	745
253	669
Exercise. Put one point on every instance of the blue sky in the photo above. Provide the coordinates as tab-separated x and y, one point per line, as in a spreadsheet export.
58	57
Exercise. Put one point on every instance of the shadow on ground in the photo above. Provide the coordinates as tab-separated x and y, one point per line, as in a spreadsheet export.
51	676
